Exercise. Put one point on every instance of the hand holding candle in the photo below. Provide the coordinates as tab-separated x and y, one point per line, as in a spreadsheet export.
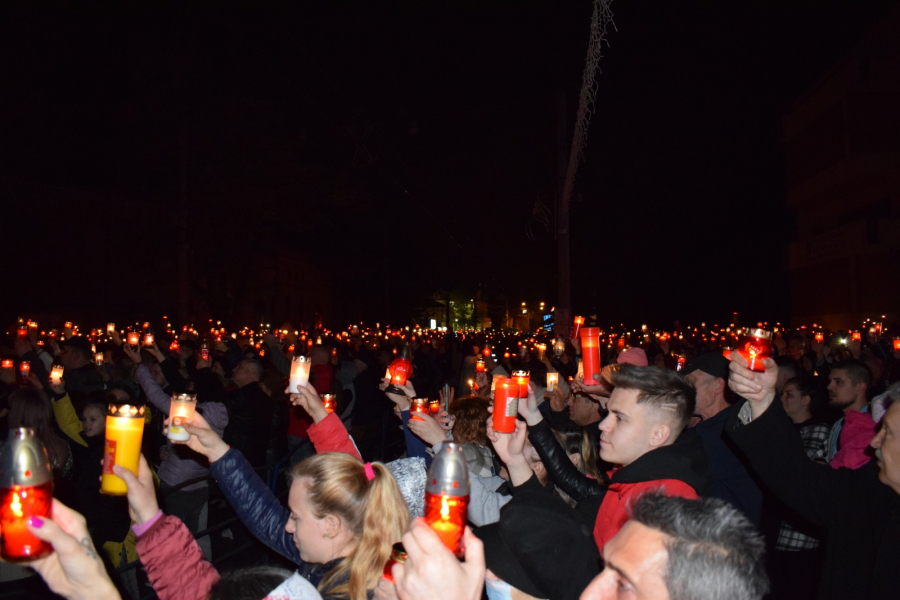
26	492
124	433
181	412
300	366
447	495
590	347
309	399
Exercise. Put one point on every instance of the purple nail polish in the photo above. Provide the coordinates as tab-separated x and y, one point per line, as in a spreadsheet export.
36	522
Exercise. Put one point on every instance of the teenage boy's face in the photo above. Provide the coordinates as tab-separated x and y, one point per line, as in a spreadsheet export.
625	433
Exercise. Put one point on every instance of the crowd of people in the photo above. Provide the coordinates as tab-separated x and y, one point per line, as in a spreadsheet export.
676	472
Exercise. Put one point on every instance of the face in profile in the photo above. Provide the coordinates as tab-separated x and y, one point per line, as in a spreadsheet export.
887	448
627	431
636	561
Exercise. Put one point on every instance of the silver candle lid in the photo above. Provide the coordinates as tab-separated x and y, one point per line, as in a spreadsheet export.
23	460
449	472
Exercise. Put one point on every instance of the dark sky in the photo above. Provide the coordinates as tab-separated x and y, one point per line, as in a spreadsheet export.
417	136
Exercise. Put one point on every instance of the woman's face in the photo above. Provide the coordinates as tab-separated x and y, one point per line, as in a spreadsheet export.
795	405
93	421
310	533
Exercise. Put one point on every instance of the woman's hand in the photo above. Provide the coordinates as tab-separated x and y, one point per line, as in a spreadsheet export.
142	504
309	399
446	420
444	400
132	354
428	429
528	407
74	570
402	402
427	555
203	439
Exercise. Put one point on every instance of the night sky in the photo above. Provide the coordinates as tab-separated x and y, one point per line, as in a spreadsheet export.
414	139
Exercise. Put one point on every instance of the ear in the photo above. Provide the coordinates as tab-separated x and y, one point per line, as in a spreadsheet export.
660	435
332	525
575	458
806	400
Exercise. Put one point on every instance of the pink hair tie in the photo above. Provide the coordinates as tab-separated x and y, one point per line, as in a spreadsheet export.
370	472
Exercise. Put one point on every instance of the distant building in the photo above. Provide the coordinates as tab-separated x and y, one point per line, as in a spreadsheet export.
842	145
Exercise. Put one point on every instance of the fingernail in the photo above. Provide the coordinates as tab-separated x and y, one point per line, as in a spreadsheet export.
36	522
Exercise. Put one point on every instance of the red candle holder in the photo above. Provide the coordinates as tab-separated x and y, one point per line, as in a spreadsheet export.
204	350
7	363
26	490
329	401
400	370
897	343
479	365
435	406
506	406
576	328
24	371
398	556
856	336
522	379
447	496
820	337
756	346
419	405
590	354
22	333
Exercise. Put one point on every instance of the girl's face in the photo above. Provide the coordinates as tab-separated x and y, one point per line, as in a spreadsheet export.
93	421
310	533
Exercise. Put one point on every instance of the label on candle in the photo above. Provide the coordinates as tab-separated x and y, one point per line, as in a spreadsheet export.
109	456
512	407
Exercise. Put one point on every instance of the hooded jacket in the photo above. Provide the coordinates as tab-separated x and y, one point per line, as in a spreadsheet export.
679	469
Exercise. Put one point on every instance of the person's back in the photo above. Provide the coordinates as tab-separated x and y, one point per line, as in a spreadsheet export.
249	413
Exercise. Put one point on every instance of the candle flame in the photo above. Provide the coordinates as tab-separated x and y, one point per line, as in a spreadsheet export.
445	509
16	506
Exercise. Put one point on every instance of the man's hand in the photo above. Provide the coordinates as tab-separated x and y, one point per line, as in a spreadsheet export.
426	556
309	399
74	570
142	503
557	399
758	388
429	430
203	439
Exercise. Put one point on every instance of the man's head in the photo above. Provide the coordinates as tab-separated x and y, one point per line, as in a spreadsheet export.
319	355
680	549
75	352
709	375
848	383
648	409
247	371
788	368
583	410
887	443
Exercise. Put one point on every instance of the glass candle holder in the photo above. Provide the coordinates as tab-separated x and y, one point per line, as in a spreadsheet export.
755	346
856	336
559	347
26	490
124	432
576	328
22	333
134	339
590	354
552	381
398	556
24	371
522	379
479	365
897	343
181	411
110	327
67	325
541	350
435	406
56	373
447	495
7	363
329	401
820	337
148	339
98	359
418	405
300	366
204	350
399	370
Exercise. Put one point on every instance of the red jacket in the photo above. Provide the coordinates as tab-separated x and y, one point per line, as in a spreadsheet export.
173	560
298	419
330	435
619	496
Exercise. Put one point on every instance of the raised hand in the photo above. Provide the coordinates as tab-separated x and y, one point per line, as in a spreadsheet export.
528	407
203	439
309	399
427	428
74	570
142	504
132	354
757	387
427	555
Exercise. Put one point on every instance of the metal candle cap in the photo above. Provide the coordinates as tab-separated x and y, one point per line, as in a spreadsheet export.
449	472
23	460
759	333
128	411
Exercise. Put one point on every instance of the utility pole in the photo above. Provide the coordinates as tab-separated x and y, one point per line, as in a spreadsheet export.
562	318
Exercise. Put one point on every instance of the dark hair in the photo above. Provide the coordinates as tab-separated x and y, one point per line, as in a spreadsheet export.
857	371
714	552
807	386
471	414
575	440
29	407
662	389
788	362
252	583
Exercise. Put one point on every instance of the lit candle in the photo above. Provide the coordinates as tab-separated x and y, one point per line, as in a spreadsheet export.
559	347
110	328
506	406
399	371
204	350
56	373
181	411
856	336
435	406
174	345
479	365
148	339
124	432
418	405
522	378
820	337
576	329
300	366
756	346
447	495
67	325
24	371
552	381
541	348
590	354
7	363
26	490
897	343
134	339
98	359
329	401
22	333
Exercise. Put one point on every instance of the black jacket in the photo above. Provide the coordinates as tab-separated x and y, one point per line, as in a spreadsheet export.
861	514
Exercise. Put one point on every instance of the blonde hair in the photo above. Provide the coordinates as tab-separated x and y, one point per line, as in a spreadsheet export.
374	512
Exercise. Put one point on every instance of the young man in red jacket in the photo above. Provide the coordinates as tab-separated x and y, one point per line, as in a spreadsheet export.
648	410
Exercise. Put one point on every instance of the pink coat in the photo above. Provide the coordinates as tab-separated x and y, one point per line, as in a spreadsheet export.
856	434
173	560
